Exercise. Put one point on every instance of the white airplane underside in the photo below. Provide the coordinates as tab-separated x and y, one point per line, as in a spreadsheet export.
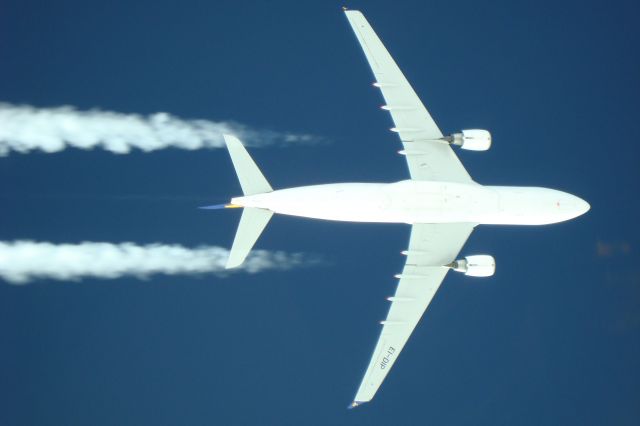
441	203
413	201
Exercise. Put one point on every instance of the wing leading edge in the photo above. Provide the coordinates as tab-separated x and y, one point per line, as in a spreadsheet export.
431	246
428	156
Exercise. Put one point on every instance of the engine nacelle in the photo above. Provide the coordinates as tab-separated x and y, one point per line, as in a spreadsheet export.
472	140
481	265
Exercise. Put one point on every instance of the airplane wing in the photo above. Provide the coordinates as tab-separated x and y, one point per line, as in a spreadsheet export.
431	246
428	156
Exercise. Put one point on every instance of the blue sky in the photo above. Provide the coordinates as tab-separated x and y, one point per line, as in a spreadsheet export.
552	338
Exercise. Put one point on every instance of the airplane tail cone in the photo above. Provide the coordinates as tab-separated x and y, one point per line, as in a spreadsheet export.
214	207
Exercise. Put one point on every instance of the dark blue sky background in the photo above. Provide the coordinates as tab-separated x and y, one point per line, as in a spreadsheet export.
552	338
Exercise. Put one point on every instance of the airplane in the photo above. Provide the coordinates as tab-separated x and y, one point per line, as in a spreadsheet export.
440	201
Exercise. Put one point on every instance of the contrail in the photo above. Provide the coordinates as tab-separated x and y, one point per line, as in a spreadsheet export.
24	128
24	261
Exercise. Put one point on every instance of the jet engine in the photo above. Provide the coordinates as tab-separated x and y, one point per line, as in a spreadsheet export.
481	265
473	140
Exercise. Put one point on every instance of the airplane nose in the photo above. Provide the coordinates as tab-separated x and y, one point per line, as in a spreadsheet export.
582	206
569	206
578	206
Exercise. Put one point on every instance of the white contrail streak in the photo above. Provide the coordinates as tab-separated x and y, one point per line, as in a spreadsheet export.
24	128
24	261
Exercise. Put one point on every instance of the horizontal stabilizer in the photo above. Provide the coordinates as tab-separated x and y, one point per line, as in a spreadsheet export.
251	178
252	223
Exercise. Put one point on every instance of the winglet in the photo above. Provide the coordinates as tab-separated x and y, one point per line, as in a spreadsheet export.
354	404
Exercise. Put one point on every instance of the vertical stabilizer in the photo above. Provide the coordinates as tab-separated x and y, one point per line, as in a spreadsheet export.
252	223
251	179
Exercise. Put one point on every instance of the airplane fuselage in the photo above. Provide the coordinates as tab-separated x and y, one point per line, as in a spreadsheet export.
412	201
